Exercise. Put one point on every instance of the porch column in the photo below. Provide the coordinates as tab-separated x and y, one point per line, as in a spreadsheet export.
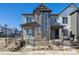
33	38
22	33
49	31
75	38
33	31
5	31
62	38
60	30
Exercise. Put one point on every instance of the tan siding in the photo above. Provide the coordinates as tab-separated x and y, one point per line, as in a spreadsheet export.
74	23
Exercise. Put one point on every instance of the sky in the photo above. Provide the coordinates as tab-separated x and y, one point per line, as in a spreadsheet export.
11	13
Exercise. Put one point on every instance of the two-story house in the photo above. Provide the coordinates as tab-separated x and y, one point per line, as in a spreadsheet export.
49	26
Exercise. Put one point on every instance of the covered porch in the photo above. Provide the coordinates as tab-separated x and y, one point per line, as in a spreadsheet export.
55	31
30	37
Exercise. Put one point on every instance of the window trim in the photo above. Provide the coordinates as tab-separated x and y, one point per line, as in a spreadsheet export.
65	32
64	20
29	32
28	19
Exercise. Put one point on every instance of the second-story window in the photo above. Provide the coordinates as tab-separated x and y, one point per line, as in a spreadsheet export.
55	19
29	19
65	20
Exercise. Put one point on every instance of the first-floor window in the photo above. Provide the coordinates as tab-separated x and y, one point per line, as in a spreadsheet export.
29	31
65	32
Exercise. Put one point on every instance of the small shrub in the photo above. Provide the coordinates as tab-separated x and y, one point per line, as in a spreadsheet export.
19	46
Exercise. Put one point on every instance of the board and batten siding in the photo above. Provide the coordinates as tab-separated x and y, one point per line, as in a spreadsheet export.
78	25
74	24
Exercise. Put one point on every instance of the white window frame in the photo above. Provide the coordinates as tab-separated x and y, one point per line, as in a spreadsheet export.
65	32
65	20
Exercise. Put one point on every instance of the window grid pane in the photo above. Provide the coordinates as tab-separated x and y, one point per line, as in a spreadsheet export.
65	32
29	19
65	20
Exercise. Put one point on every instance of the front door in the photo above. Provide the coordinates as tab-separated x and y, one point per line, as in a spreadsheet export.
57	34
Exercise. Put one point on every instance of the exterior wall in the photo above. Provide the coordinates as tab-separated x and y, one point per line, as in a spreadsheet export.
66	26
66	13
53	18
74	24
78	25
24	31
78	21
52	34
0	28
42	23
25	35
40	19
24	19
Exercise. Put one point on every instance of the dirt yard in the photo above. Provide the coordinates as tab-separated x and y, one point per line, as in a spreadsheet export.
28	50
41	50
2	43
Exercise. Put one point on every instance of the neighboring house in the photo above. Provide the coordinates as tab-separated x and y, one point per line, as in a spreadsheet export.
9	31
51	25
64	19
75	23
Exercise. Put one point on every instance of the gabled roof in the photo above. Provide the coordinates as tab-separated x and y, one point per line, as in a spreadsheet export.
41	7
68	6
